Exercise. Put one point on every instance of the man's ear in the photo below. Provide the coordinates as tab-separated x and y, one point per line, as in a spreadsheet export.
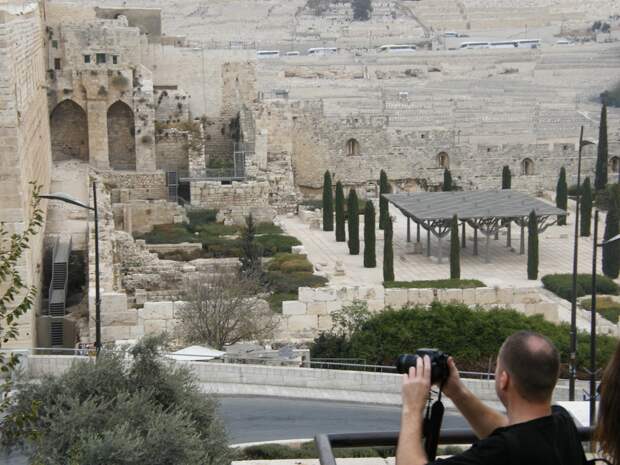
504	380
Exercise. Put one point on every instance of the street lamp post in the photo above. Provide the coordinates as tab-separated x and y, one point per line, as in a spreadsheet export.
68	199
572	369
593	370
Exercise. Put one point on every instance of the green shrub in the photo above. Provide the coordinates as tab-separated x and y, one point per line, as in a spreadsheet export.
612	97
561	285
289	263
217	247
168	234
308	451
275	300
215	229
268	228
472	336
274	243
437	284
281	282
201	216
608	308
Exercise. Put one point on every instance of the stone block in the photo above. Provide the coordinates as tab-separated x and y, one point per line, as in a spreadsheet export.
486	296
157	310
302	323
505	295
317	308
324	294
469	296
346	293
154	326
413	296
299	250
305	294
332	306
454	295
548	310
376	305
325	323
140	296
113	302
371	293
396	298
425	296
126	318
115	333
526	296
178	307
294	307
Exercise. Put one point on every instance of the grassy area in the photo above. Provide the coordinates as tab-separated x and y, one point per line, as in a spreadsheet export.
561	285
605	306
436	284
218	240
286	273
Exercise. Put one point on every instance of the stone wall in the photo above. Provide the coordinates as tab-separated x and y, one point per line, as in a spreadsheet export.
127	186
234	201
173	151
172	105
25	149
311	313
139	216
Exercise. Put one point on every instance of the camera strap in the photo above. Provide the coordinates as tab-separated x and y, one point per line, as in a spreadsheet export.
431	427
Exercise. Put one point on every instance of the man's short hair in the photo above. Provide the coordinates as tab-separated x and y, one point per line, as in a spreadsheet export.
533	362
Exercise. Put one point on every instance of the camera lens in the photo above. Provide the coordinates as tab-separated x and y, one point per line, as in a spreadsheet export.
406	361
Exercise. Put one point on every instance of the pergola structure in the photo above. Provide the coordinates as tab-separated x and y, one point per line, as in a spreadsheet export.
484	211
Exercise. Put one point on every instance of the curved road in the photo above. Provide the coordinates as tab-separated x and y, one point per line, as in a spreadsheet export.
253	419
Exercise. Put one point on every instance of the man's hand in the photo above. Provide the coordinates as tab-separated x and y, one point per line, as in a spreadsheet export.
453	385
416	386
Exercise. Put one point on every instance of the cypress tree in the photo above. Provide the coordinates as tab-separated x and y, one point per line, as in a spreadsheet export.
506	177
340	228
447	180
585	208
388	252
354	223
370	259
611	252
328	203
600	178
384	209
532	247
561	196
455	249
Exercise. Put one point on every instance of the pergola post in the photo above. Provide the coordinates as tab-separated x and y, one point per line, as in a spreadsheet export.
487	256
522	245
439	250
508	231
408	229
463	238
418	227
475	240
497	234
428	242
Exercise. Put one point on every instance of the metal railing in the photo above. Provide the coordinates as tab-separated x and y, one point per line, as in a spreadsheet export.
326	442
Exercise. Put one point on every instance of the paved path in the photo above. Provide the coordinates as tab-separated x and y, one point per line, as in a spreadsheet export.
506	268
253	419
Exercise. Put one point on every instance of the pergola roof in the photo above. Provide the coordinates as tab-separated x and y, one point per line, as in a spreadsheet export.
470	205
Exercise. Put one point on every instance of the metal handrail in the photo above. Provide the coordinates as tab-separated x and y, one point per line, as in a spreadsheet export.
326	442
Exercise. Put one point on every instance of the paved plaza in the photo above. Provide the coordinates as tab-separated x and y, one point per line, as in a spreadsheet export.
506	268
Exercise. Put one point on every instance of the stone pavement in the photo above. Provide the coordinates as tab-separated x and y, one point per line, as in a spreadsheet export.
507	268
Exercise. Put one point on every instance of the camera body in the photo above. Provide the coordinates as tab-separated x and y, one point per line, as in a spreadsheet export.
439	363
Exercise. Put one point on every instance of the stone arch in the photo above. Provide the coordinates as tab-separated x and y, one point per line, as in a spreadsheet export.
614	164
443	160
527	167
121	137
353	148
69	132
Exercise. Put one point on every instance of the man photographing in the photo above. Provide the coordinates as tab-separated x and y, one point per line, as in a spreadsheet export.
531	432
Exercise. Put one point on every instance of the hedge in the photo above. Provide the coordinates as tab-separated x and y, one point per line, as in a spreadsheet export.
289	262
606	307
472	336
308	451
436	284
201	216
561	285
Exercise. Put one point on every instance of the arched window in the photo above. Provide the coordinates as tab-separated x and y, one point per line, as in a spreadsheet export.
614	164
527	167
121	137
353	148
443	160
69	132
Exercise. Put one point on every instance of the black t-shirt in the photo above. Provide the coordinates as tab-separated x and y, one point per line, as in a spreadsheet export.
550	440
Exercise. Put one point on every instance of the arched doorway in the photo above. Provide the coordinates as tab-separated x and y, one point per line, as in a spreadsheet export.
527	167
121	137
614	165
353	148
443	160
69	132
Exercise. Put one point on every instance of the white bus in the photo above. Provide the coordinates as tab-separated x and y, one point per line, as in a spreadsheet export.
267	53
504	44
294	53
322	51
528	43
397	48
470	45
451	34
